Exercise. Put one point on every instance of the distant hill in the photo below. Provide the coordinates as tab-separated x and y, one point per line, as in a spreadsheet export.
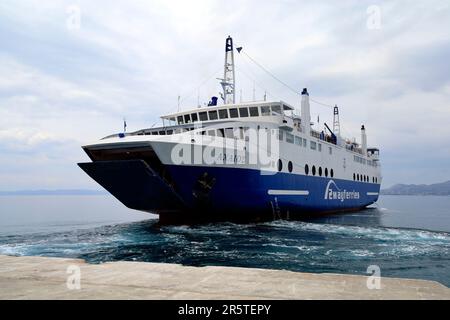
58	192
438	189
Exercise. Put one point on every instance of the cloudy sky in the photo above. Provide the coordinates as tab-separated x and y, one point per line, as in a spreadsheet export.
70	71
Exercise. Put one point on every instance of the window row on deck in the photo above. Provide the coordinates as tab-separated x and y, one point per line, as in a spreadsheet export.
228	113
319	171
364	178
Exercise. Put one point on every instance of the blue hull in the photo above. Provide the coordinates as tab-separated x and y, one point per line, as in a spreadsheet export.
222	193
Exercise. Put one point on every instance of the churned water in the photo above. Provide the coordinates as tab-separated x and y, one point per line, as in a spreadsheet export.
406	236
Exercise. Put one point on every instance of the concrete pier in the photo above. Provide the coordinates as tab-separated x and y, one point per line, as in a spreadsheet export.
57	278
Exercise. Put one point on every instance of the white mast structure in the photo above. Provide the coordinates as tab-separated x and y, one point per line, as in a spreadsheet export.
228	81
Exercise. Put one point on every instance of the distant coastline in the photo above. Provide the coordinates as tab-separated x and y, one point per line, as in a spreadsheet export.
57	192
436	189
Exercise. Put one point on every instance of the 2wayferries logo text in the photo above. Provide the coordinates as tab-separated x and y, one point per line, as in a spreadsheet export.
332	192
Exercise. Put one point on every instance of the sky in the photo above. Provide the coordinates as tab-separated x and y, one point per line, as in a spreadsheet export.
71	71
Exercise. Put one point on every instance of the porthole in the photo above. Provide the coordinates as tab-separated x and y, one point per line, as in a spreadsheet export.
320	171
280	165
306	169
331	173
314	170
326	172
290	167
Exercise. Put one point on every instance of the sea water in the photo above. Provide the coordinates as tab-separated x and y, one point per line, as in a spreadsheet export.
406	236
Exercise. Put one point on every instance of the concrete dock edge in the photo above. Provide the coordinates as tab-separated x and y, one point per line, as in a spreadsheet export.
61	278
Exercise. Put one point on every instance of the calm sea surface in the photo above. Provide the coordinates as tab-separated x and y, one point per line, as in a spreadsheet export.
406	236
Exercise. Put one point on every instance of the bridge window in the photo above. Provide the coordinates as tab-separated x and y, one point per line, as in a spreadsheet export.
194	117
276	110
331	173
265	111
243	112
212	115
180	119
290	167
187	118
280	165
254	112
203	116
314	170
223	114
306	169
234	113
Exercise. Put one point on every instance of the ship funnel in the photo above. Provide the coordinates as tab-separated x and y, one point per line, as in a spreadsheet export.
363	140
305	112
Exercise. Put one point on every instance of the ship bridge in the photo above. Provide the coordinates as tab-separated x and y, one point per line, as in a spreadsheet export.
265	111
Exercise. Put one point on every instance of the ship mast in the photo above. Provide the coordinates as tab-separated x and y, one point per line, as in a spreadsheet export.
336	125
228	81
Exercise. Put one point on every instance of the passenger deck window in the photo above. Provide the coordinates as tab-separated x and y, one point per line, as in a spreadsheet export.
298	141
234	113
289	138
254	112
203	116
187	118
243	112
180	119
212	133
313	145
265	111
212	115
223	114
280	135
229	133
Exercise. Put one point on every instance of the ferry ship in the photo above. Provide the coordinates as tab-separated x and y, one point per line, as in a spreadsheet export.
233	161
